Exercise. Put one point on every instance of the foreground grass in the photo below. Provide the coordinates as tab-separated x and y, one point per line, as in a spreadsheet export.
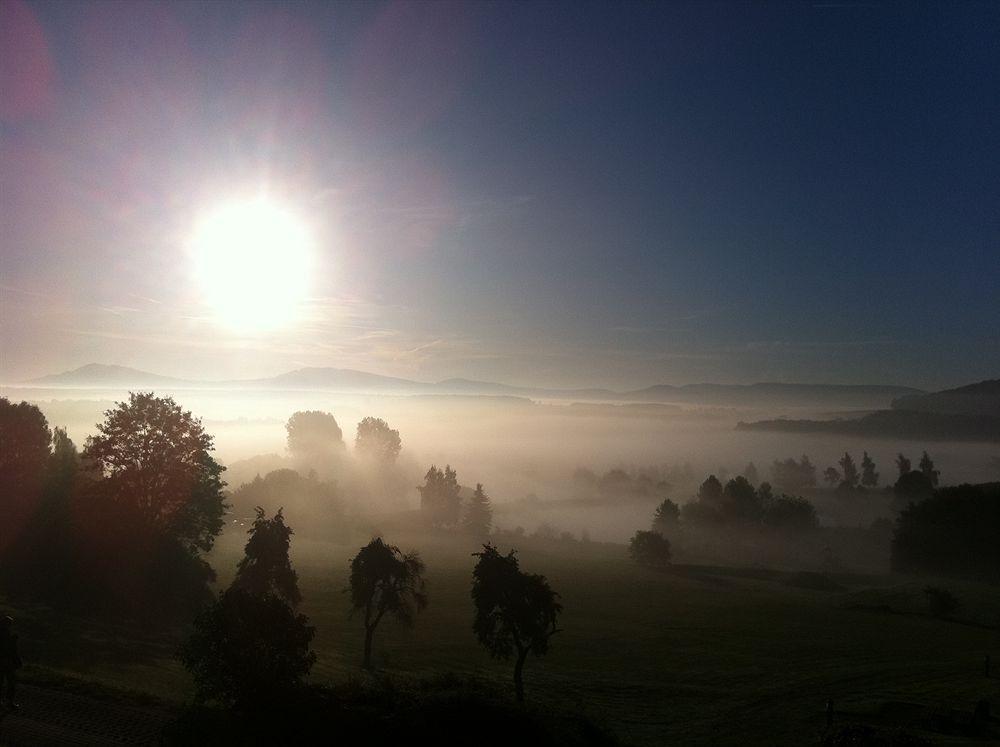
699	654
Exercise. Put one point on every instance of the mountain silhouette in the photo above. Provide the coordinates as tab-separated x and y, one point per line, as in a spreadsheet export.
351	380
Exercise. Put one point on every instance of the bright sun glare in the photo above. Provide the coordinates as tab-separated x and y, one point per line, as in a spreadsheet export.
252	260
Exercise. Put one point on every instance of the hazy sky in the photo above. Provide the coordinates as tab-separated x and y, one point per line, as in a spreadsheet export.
536	193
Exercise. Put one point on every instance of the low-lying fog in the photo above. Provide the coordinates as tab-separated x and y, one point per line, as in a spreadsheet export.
525	453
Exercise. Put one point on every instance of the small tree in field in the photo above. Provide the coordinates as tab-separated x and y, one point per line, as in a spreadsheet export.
478	517
849	470
314	436
666	516
650	549
927	467
516	612
869	477
831	476
440	497
386	581
903	465
377	440
265	567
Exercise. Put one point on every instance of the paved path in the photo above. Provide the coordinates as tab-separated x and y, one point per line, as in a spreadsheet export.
52	717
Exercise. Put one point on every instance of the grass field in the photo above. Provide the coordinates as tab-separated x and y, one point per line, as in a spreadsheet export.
695	655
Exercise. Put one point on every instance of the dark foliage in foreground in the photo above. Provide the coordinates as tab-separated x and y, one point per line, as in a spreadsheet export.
952	533
120	529
443	711
265	567
248	650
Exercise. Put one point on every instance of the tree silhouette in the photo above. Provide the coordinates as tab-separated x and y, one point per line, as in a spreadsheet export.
790	512
265	567
913	487
849	471
248	650
386	581
927	468
377	440
478	516
710	491
902	464
666	516
869	477
953	532
794	475
650	549
740	501
155	459
24	457
439	497
831	476
516	612
751	474
314	436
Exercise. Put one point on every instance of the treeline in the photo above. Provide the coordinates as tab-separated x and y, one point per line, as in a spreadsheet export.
955	532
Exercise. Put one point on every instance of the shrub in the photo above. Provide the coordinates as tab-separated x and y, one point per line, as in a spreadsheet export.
650	549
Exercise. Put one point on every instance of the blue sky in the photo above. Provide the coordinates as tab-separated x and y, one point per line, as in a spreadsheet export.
558	194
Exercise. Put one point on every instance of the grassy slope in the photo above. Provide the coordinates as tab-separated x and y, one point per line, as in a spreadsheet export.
700	654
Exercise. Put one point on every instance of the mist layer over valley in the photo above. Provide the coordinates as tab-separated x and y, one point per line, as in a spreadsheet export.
541	459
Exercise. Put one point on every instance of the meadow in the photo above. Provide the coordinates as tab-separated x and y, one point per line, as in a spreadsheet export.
696	654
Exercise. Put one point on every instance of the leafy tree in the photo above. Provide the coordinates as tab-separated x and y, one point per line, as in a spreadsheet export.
902	464
927	468
24	440
478	516
440	499
377	440
790	512
765	493
913	487
831	476
313	505
869	477
516	612
849	470
740	501
265	567
751	474
666	517
710	491
386	581
24	457
248	650
314	436
155	459
64	461
953	532
650	549
794	475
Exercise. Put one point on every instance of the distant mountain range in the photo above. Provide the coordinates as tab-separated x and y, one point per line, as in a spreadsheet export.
348	380
967	413
975	399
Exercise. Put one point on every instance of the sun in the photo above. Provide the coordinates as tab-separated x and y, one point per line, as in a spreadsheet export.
253	261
